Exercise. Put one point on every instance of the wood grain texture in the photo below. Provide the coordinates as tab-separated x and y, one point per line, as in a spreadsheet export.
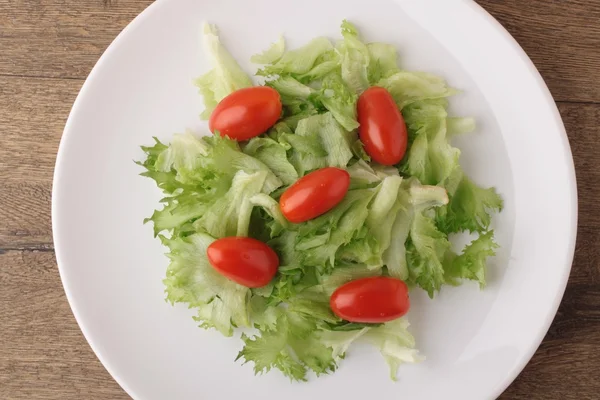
60	38
562	39
34	112
47	48
43	354
33	115
64	38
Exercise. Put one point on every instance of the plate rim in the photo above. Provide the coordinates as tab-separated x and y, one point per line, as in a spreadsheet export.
570	169
519	52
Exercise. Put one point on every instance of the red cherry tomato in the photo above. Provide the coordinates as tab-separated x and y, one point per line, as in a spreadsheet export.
382	127
246	261
371	300
314	194
246	113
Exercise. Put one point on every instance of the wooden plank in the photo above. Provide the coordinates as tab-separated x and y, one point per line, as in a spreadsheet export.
31	127
43	354
60	38
65	38
586	264
561	37
582	122
35	112
25	216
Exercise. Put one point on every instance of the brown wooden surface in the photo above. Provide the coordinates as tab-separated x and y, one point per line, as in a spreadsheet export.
47	48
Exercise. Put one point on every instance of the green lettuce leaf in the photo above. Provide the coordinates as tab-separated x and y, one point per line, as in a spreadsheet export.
293	347
320	239
396	344
471	263
166	181
460	125
343	274
230	216
383	61
339	100
340	341
426	246
394	341
430	157
355	59
362	174
412	198
221	303
196	173
271	207
382	214
299	61
327	62
333	139
225	77
274	155
470	208
292	92
408	87
227	158
183	154
178	211
189	183
262	314
426	250
272	54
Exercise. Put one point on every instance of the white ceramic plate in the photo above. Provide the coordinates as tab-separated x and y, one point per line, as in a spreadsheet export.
475	342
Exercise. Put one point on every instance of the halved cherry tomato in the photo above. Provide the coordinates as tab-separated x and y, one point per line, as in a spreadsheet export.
371	300
314	194
382	127
246	113
244	260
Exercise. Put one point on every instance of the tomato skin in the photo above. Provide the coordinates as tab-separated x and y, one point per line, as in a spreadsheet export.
244	260
371	300
382	127
314	194
246	113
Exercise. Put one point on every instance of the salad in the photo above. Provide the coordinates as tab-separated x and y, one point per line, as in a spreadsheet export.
323	196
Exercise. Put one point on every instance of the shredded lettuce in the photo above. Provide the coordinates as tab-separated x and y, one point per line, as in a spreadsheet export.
426	250
339	100
383	61
292	92
355	59
408	87
221	303
394	220
226	76
430	158
324	64
293	346
274	155
470	208
230	216
298	61
471	263
396	344
272	54
334	140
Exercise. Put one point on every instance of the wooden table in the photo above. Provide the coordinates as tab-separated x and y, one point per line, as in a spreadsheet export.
47	48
